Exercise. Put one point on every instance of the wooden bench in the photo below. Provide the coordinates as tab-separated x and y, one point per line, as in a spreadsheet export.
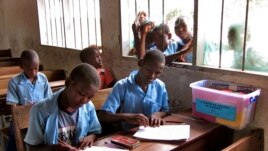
5	53
4	80
55	75
56	80
252	142
7	70
21	119
9	62
100	97
52	75
56	85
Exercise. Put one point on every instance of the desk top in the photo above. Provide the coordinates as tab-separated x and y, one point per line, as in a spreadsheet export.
198	129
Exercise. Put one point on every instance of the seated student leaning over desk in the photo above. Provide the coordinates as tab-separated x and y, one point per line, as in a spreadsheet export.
141	98
67	120
28	87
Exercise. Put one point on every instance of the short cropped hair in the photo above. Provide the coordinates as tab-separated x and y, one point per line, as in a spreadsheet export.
90	50
29	55
84	73
154	56
162	28
187	20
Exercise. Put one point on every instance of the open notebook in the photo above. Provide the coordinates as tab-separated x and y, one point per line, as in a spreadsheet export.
164	132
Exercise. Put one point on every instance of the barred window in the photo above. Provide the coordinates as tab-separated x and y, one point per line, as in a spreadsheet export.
69	23
227	33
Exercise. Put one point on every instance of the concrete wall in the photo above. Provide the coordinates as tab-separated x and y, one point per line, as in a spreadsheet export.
21	24
22	32
4	44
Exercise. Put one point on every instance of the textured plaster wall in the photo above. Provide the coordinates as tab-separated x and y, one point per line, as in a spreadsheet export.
3	32
21	28
22	32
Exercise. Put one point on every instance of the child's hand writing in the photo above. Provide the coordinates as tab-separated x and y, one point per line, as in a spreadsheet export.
156	120
63	146
138	119
86	141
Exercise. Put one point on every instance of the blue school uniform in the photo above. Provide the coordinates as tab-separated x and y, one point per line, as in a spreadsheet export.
128	95
174	47
43	127
21	90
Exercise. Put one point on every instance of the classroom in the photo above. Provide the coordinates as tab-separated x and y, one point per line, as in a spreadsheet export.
28	25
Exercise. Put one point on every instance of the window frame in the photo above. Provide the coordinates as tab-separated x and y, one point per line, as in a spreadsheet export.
203	68
69	18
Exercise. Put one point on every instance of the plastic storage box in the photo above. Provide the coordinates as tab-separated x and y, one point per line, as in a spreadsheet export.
229	104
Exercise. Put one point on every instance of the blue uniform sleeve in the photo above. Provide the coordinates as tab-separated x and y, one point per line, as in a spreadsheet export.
173	48
94	124
35	131
48	91
115	98
165	106
12	96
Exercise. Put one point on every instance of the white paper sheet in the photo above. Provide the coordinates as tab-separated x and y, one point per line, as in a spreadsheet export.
164	132
101	148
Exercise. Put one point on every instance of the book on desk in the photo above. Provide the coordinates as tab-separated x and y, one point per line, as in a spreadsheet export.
124	141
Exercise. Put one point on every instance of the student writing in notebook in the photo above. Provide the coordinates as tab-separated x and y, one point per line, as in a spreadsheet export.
28	87
140	99
67	120
92	56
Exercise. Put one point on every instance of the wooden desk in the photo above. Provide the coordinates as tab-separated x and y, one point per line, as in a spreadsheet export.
55	85
204	136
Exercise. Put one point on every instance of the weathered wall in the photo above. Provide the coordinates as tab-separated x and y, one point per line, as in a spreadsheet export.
21	22
22	32
3	32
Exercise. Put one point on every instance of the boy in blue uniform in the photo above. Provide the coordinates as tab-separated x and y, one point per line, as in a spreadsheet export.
30	86
182	28
141	98
67	120
163	42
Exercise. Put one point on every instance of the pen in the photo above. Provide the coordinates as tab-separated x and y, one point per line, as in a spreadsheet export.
178	122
